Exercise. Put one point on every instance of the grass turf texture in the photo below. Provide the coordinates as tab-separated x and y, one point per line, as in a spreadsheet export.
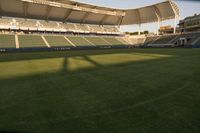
112	91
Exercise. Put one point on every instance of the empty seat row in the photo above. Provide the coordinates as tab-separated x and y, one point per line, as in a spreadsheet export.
7	41
32	41
41	25
150	40
164	39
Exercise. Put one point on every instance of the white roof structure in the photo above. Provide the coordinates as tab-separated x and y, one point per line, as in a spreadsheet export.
76	12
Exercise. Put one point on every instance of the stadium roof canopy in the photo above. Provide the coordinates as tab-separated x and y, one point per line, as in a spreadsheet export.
76	12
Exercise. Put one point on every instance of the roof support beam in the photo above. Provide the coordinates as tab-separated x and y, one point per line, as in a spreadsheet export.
48	10
139	30
139	21
158	27
159	17
157	12
175	21
176	13
175	9
85	17
103	19
25	8
68	13
139	16
106	17
120	21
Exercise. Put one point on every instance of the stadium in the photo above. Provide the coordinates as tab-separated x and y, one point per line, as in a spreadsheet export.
65	66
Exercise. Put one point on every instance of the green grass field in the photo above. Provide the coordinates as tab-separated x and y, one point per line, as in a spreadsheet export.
101	91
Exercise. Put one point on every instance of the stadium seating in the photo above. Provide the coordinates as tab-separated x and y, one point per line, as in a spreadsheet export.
47	40
82	28
150	39
79	41
56	41
98	41
172	40
7	41
137	41
49	25
198	42
110	29
27	24
192	37
31	41
123	40
96	29
5	23
112	41
69	26
52	26
96	35
164	39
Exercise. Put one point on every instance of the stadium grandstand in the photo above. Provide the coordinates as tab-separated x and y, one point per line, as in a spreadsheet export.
69	25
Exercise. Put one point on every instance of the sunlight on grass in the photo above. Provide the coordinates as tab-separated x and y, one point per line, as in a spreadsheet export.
37	66
85	62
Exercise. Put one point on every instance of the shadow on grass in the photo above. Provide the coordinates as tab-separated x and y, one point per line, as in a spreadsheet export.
46	98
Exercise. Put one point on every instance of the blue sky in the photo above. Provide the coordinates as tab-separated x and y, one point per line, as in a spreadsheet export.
187	8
